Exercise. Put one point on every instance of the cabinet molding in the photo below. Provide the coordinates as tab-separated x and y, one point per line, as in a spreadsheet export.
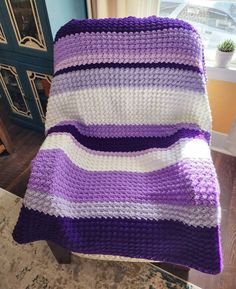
37	42
9	78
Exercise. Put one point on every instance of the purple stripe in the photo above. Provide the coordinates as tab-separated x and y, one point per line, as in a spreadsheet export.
162	186
113	77
150	43
129	24
130	65
168	241
132	130
72	55
128	144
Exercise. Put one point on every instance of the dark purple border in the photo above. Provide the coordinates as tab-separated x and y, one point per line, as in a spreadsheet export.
168	241
129	24
128	144
130	65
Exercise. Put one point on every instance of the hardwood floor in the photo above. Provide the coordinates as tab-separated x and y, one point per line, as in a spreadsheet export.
14	173
15	167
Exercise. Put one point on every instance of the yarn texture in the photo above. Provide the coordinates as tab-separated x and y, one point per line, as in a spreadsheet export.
125	169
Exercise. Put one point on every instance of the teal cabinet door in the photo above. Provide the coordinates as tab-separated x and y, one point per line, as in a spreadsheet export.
6	41
25	89
12	91
28	26
11	87
3	39
37	82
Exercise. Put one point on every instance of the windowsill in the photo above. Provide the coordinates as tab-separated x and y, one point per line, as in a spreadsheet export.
220	73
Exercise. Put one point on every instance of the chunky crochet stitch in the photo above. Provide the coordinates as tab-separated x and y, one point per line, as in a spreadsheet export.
126	169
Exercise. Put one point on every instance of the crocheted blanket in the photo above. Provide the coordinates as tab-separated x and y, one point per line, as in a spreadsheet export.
126	168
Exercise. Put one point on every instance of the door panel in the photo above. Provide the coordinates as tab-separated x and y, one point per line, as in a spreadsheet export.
40	85
13	90
3	38
26	23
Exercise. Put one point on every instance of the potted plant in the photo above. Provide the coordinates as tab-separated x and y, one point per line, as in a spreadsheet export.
225	52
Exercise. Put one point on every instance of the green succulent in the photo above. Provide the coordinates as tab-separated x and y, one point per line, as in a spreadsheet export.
227	46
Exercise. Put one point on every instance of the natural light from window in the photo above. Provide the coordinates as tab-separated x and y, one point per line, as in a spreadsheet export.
215	20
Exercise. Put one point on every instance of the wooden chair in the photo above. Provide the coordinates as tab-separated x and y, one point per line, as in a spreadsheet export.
63	256
5	137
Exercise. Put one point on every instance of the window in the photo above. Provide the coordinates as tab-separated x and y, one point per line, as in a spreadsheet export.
215	20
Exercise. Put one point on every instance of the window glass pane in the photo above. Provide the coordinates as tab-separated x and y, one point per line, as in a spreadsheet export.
215	20
11	85
40	84
26	23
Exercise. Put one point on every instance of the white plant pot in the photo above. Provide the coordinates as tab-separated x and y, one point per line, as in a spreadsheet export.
223	58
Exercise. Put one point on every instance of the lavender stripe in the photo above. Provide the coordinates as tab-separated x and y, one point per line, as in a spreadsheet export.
132	130
160	186
131	65
104	42
129	24
115	77
210	216
98	55
169	241
145	52
114	58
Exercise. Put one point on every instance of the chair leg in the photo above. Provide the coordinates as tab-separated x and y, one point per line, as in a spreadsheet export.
62	255
5	138
177	270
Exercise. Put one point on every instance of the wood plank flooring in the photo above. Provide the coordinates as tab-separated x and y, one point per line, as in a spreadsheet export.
15	167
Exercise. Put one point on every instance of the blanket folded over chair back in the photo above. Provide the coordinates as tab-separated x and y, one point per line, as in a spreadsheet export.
125	169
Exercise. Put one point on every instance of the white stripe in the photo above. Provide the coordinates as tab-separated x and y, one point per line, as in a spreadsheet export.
129	105
147	161
57	206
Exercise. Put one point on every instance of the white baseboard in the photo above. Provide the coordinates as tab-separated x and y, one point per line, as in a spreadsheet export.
219	142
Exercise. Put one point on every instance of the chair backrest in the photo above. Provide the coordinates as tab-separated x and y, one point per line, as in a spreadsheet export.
129	71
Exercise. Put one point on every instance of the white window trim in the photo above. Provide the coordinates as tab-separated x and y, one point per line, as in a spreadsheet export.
219	143
220	73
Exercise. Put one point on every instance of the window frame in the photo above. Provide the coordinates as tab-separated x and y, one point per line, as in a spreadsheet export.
209	52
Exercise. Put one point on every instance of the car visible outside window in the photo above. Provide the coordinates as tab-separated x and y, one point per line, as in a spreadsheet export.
215	20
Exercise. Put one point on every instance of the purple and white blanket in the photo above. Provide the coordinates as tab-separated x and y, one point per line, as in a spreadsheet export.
126	168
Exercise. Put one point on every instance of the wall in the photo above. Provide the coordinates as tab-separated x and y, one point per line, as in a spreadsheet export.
222	97
61	11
